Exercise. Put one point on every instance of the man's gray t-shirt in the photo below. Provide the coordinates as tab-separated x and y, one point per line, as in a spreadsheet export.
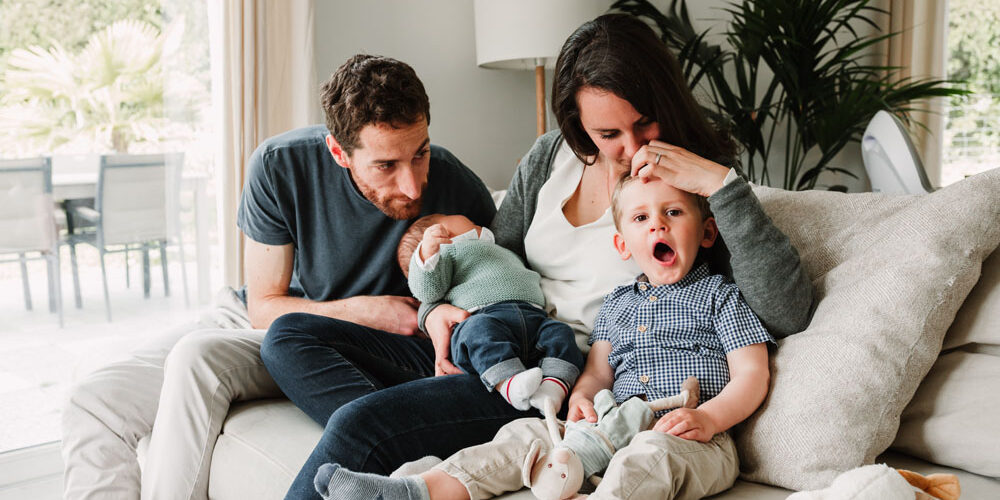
344	245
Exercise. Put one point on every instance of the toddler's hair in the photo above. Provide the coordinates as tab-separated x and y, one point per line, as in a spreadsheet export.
626	179
411	238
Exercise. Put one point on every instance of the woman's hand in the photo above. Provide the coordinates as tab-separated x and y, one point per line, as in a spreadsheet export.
581	407
679	168
439	324
687	423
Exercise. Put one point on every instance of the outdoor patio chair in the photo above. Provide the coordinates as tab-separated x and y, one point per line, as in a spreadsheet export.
135	208
27	223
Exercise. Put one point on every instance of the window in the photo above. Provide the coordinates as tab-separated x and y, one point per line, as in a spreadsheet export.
81	84
972	131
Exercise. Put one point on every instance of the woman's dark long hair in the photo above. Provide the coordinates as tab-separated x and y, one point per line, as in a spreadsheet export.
620	54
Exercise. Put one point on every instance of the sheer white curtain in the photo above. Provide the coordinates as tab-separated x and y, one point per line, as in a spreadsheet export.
920	50
263	83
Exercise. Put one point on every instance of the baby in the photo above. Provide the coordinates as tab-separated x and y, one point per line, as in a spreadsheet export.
673	321
450	259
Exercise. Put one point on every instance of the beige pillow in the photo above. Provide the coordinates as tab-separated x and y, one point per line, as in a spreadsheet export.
890	272
978	321
954	418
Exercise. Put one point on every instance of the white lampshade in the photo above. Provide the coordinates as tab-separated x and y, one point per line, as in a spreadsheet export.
513	34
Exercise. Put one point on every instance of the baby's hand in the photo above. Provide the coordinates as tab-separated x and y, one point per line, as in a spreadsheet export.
434	237
687	423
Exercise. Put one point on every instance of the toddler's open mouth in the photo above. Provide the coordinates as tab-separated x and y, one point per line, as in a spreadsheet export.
663	253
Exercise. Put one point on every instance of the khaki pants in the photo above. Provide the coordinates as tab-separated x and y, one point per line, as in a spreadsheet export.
653	465
184	381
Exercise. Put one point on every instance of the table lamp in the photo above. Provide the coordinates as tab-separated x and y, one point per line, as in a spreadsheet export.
528	34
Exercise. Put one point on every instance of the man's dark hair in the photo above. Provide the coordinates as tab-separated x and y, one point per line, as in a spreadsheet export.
372	89
621	54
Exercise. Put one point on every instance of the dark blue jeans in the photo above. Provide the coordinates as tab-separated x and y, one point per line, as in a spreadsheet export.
323	363
375	393
500	340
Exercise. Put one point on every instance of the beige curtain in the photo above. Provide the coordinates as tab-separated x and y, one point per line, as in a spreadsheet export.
264	83
920	49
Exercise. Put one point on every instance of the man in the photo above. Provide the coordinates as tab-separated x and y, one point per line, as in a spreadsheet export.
321	239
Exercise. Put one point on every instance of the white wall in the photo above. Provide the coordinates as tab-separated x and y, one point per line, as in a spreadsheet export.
486	117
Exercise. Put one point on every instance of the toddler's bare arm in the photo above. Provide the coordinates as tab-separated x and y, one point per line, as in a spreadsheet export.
748	382
597	375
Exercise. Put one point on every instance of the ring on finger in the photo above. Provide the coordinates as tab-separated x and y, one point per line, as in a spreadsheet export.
656	161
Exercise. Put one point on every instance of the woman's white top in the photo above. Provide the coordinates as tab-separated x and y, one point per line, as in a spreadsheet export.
578	265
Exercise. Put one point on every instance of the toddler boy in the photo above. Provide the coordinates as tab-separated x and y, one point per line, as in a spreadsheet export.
675	320
450	259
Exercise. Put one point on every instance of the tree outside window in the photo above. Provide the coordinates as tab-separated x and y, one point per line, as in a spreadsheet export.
99	77
972	134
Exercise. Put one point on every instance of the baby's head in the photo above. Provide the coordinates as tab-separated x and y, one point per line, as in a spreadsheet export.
661	226
454	225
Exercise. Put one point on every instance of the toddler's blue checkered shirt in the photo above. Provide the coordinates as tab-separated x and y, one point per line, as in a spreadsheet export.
661	335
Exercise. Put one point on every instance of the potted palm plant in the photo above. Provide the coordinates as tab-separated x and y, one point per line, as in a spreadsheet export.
794	69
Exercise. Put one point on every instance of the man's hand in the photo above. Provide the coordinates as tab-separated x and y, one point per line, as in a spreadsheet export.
687	423
389	313
581	407
434	236
439	324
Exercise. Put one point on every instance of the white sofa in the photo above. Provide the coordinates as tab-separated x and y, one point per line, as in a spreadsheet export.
265	442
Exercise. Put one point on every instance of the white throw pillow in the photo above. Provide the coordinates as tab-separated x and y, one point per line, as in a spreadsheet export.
890	272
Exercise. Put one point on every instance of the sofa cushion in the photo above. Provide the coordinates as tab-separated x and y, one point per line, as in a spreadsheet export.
263	445
265	442
890	272
977	322
960	392
953	417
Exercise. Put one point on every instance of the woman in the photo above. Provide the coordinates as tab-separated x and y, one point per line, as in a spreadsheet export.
621	102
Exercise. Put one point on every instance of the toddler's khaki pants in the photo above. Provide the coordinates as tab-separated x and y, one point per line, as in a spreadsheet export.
653	465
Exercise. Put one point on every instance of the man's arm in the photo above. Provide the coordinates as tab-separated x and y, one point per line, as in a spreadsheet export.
269	272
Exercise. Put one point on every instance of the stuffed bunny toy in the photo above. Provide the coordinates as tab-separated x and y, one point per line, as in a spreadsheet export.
586	448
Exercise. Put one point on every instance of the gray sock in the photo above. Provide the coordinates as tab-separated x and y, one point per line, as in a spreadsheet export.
334	482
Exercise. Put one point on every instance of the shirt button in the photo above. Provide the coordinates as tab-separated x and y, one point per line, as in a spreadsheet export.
644	379
652	298
643	287
642	328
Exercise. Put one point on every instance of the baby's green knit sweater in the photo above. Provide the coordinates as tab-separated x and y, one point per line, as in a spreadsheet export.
474	273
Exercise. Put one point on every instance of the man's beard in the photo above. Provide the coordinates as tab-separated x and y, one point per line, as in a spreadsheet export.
397	207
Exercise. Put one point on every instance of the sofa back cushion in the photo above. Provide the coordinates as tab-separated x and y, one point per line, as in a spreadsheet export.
953	417
890	272
977	323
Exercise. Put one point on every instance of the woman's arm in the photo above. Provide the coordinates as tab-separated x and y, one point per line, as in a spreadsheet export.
597	375
763	262
765	265
748	382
